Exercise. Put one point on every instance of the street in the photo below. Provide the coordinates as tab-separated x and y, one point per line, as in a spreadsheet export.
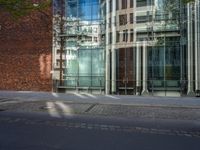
35	131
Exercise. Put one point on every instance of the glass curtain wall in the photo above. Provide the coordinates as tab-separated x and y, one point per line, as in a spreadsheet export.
84	45
164	59
159	26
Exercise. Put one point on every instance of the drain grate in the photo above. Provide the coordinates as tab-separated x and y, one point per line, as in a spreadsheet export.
90	108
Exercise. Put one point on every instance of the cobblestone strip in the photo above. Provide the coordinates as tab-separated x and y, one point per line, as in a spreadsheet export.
6	100
102	127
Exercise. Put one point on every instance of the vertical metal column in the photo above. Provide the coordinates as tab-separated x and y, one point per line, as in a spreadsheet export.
197	46
138	69
134	21
145	72
113	26
190	91
107	87
62	40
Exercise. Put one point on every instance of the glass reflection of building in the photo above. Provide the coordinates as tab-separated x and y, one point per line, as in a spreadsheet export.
151	46
83	56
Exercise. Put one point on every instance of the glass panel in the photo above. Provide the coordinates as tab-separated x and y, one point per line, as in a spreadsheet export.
97	67
85	62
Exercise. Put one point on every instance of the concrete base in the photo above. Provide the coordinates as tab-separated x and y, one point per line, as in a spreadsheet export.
145	93
166	93
191	94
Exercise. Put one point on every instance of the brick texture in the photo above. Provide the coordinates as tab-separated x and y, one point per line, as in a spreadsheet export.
25	52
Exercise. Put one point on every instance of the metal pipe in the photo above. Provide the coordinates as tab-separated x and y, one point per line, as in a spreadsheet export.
62	40
107	50
113	26
145	72
197	46
138	68
190	50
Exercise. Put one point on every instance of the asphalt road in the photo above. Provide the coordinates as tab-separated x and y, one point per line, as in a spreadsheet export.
19	131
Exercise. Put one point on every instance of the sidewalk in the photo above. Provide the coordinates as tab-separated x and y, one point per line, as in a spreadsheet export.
58	105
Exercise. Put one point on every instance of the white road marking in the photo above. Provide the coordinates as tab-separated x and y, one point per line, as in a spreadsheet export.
65	108
55	94
52	110
79	95
90	95
110	96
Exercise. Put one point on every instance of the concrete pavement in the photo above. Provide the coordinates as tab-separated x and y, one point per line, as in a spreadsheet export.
102	99
65	105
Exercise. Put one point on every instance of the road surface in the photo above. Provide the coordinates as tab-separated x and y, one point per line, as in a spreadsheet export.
39	131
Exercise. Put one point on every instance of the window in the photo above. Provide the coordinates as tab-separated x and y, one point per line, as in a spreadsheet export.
117	4
117	36
131	18
141	19
131	3
110	23
131	35
110	39
124	4
141	36
141	3
122	19
110	5
125	35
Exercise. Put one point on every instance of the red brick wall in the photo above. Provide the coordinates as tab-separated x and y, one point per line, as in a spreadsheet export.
25	52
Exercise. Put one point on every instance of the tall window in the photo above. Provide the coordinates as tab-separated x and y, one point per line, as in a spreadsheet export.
123	19
110	40
125	35
131	35
117	36
110	5
117	4
131	3
131	18
124	4
110	22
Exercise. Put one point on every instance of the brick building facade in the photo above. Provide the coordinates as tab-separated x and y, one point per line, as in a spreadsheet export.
25	52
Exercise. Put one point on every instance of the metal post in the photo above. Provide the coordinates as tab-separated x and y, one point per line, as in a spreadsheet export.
190	50
138	69
145	91
197	46
107	50
62	40
113	26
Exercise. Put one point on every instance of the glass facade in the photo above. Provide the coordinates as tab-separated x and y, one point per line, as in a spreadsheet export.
140	47
83	49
